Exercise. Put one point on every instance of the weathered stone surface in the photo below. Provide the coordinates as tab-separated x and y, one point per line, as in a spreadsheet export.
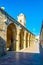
2	46
12	34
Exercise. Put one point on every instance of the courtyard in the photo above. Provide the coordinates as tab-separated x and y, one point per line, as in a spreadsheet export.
21	32
23	57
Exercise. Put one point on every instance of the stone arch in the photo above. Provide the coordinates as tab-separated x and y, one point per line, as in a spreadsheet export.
22	38
11	37
26	39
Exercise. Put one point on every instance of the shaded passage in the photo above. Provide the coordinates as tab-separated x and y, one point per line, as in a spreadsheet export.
11	37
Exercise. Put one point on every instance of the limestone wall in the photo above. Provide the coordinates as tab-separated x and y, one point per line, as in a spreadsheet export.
19	37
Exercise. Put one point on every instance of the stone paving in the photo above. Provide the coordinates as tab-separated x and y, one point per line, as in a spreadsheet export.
34	48
21	58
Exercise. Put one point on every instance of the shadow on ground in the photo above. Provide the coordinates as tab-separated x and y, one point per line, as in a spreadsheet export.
22	58
19	58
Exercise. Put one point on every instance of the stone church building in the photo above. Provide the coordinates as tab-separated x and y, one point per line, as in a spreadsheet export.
14	35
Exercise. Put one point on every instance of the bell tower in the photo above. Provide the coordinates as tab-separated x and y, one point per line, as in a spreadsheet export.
22	19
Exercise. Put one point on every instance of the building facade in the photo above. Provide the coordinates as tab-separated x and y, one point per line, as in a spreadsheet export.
13	34
41	35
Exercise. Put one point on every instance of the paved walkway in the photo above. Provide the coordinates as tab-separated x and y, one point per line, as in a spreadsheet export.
22	58
34	48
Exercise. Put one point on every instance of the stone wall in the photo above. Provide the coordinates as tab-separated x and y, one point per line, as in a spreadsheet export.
7	24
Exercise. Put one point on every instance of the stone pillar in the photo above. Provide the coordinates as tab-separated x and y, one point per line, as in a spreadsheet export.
5	36
24	40
34	39
28	39
3	40
18	40
31	40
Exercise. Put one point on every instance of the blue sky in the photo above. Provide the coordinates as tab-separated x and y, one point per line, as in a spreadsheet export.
33	10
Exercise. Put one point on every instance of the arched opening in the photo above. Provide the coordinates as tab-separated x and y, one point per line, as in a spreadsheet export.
26	40
11	37
21	38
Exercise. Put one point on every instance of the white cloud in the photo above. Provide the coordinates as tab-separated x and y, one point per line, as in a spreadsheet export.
37	36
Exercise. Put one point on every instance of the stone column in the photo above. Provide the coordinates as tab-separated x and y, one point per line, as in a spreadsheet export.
5	36
24	40
18	40
31	40
3	40
28	39
34	39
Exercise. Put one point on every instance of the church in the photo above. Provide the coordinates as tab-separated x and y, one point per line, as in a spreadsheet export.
14	35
